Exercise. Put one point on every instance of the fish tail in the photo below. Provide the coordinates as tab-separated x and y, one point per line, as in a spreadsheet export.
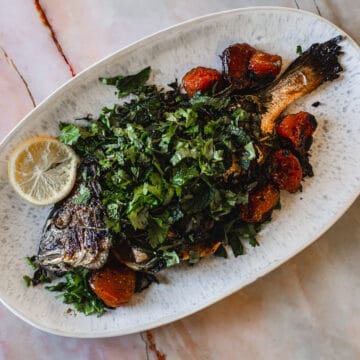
322	58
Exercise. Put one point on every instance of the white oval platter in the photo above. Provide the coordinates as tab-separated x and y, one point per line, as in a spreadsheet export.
170	53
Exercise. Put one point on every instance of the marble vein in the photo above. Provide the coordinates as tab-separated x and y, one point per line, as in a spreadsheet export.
46	22
317	7
13	65
146	345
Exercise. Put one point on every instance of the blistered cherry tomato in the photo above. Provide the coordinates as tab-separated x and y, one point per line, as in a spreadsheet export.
200	79
287	172
114	284
235	61
260	204
265	65
298	130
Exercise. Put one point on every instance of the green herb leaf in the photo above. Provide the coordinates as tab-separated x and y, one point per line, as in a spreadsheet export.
83	196
27	280
183	150
69	134
249	232
299	50
202	197
139	218
158	230
208	149
128	84
198	101
236	245
31	262
166	138
75	290
171	258
249	147
240	115
184	174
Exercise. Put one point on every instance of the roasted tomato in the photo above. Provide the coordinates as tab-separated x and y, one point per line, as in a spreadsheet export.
265	65
298	130
114	284
235	61
260	204
200	79
287	172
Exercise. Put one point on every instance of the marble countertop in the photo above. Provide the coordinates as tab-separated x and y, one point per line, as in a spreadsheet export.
306	309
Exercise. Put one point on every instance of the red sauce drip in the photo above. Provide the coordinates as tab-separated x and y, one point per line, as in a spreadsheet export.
152	346
45	21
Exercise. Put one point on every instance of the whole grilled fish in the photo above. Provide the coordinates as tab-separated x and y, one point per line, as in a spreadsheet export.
75	233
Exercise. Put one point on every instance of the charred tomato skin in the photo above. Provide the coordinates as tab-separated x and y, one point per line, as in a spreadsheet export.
297	129
260	204
265	65
287	172
235	60
114	284
200	79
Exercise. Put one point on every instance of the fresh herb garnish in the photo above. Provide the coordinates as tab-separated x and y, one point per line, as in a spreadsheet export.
174	174
75	290
299	50
163	154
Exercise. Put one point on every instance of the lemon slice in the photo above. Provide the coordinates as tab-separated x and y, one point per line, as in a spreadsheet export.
42	170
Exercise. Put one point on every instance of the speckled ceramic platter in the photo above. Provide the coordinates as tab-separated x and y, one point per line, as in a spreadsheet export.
302	219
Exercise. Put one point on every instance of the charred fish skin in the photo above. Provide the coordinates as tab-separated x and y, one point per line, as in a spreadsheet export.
315	66
75	233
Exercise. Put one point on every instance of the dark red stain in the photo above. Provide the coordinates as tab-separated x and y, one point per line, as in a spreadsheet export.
152	346
45	21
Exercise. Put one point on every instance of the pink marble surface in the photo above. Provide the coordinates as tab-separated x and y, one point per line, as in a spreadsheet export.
307	309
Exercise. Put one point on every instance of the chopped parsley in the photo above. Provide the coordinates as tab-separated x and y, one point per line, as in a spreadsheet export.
163	157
